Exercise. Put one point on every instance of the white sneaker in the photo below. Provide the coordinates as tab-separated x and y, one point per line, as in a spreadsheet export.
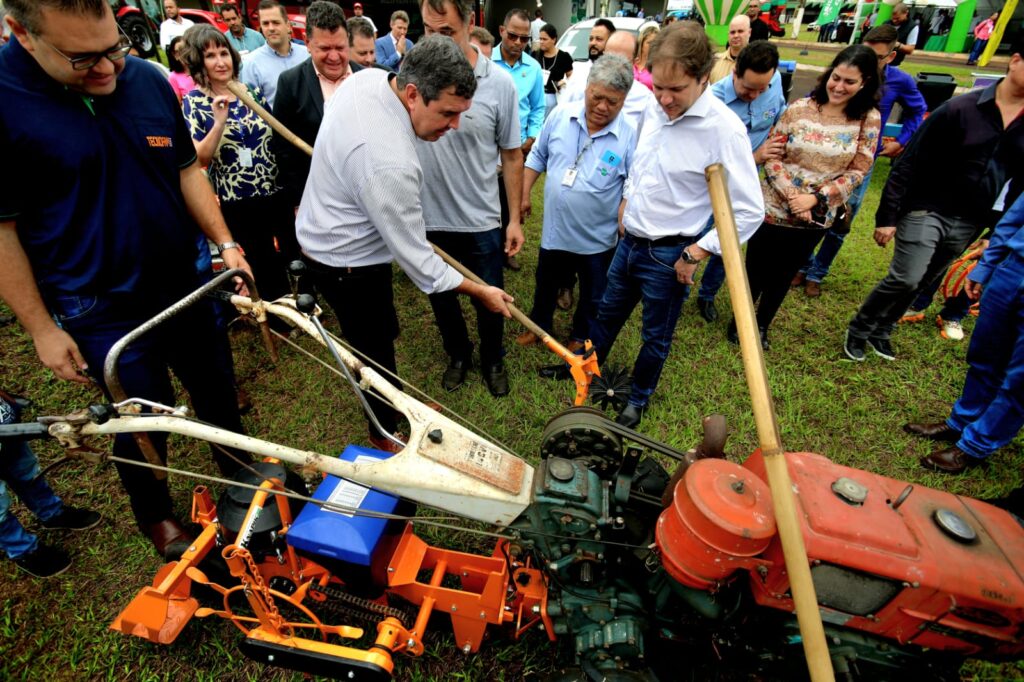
950	329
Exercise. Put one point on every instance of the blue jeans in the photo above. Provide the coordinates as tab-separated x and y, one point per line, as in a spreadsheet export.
191	345
19	469
976	49
641	271
484	254
819	264
713	277
990	411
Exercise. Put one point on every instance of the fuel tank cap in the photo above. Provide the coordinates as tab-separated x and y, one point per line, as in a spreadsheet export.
849	491
953	525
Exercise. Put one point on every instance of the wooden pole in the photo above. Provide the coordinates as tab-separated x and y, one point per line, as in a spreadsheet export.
240	91
812	632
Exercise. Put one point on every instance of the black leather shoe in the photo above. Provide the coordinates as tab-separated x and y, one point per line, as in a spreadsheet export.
455	375
950	461
940	431
559	372
764	338
630	416
732	334
496	379
707	309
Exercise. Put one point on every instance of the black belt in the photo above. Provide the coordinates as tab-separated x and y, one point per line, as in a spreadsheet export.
317	266
674	240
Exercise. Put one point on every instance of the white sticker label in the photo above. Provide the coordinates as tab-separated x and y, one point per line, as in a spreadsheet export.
348	494
245	157
570	177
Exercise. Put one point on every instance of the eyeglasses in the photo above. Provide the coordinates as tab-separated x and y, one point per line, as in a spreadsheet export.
87	61
515	37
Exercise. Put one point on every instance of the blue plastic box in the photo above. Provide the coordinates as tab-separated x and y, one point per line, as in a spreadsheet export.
338	535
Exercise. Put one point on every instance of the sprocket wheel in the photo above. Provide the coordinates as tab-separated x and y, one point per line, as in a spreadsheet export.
581	433
612	388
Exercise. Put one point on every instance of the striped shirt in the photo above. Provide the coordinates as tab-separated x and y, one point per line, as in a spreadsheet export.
362	204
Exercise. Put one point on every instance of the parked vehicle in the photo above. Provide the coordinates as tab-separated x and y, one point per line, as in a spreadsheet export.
575	38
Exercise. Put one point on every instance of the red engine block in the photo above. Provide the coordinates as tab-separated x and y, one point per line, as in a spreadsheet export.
925	567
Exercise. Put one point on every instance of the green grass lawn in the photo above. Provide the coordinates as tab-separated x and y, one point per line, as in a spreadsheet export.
963	74
849	412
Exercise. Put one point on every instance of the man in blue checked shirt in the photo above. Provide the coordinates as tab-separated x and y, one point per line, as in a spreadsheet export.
753	91
586	148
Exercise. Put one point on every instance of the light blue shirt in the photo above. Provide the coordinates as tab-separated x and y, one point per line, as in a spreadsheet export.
262	66
758	116
583	218
249	41
529	81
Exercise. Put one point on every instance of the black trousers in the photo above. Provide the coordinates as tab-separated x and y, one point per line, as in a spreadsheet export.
554	268
256	223
363	300
774	256
484	254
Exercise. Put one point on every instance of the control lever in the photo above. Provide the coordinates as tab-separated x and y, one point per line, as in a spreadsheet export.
306	304
296	271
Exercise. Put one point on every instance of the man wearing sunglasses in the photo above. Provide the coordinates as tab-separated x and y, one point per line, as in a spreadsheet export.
99	227
513	56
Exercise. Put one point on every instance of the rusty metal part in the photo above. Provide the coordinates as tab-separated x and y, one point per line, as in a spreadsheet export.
110	371
712	445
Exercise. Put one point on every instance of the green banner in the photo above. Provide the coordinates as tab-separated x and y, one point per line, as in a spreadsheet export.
829	11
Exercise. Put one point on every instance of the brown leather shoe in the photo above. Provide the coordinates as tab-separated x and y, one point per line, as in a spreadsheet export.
527	339
574	346
940	431
812	288
950	461
168	537
798	279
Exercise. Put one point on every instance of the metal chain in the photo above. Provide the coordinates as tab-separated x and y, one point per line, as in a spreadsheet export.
252	578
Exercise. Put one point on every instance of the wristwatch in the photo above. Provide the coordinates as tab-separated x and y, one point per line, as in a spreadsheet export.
228	245
687	258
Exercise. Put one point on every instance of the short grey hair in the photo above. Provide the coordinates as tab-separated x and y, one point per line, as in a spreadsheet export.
358	26
612	71
28	13
434	64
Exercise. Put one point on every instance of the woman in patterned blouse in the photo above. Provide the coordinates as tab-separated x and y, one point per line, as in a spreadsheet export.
234	144
830	141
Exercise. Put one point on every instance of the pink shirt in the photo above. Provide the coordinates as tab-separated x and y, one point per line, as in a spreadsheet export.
182	83
644	76
983	31
329	87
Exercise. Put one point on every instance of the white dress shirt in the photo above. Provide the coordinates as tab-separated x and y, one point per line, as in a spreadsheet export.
361	205
667	193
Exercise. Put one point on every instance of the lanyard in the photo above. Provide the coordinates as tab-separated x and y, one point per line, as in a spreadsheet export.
583	151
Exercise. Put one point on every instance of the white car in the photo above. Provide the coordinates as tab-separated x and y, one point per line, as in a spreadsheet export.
575	39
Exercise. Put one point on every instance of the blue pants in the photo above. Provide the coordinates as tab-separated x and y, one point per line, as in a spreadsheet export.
484	254
642	271
976	49
19	469
552	267
819	264
191	345
990	411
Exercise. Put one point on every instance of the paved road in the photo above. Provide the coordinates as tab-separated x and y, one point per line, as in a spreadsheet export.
998	63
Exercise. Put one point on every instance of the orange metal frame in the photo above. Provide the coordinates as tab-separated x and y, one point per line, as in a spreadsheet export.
476	591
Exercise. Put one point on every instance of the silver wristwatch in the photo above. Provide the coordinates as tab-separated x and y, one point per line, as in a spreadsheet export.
228	245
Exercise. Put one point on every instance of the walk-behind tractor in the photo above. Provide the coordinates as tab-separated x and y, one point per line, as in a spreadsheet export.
634	571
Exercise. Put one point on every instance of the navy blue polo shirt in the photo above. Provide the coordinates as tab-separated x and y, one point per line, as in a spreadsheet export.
93	184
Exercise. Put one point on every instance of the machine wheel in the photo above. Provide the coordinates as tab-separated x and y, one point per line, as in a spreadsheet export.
581	433
140	34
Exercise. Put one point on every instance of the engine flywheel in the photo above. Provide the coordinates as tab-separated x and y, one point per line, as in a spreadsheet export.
582	433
